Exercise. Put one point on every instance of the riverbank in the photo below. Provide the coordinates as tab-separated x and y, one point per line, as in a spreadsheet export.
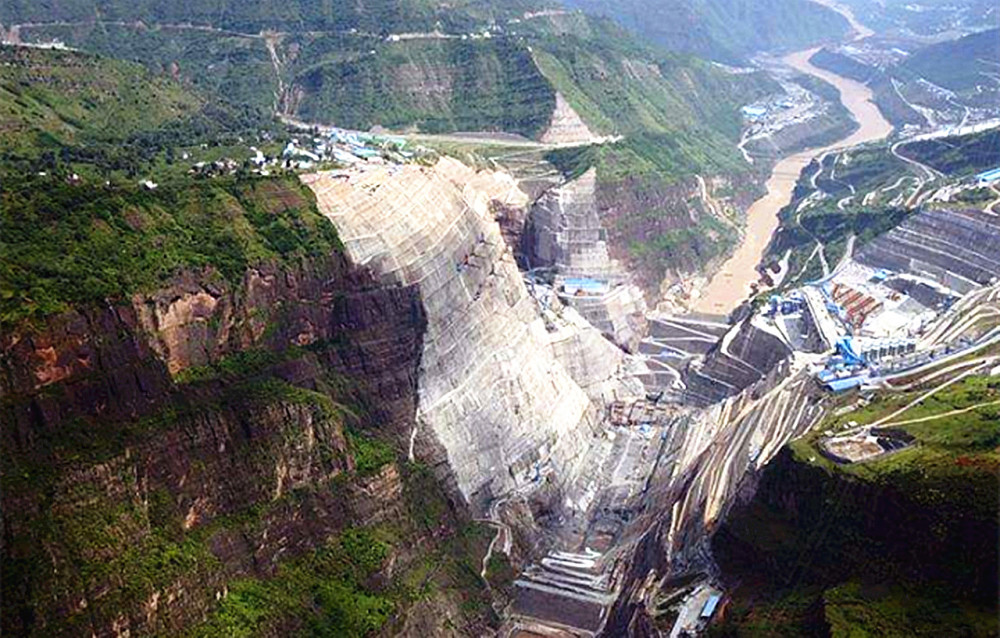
731	285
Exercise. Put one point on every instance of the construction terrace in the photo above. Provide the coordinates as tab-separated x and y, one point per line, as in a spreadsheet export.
875	310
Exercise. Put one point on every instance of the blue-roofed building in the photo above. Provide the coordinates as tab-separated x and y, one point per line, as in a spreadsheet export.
710	605
362	151
754	113
988	177
845	384
584	286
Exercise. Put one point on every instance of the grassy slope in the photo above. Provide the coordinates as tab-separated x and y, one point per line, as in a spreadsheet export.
960	156
253	16
957	64
235	67
54	98
435	85
828	566
678	116
64	112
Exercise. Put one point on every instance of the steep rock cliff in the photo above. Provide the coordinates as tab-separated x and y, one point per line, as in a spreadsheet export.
221	453
131	500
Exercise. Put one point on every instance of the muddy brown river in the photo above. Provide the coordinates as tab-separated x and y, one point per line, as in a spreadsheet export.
731	284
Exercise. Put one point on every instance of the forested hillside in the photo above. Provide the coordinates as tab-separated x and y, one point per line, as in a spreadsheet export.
958	65
724	30
79	112
379	16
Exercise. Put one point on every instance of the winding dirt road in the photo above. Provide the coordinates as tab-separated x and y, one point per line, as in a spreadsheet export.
731	285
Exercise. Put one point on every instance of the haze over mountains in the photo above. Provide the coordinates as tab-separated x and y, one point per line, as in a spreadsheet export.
376	318
724	30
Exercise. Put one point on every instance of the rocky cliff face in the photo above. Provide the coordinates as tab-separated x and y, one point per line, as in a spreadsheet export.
158	450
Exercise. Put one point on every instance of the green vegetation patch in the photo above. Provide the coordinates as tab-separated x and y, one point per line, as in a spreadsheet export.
961	64
955	459
370	454
724	30
903	544
325	593
857	610
49	97
65	245
619	87
433	85
958	156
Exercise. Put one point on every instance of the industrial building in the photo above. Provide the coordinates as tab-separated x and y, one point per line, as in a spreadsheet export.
988	177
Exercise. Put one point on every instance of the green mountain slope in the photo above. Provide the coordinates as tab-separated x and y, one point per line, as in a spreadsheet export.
434	85
67	111
69	245
958	65
723	30
232	65
59	97
903	544
376	16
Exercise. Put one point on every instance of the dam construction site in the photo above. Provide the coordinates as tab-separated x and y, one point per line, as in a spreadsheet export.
550	392
495	321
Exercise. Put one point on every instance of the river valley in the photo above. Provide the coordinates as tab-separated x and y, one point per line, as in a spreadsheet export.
731	284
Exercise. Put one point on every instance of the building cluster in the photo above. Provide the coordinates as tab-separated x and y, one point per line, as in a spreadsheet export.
872	319
333	147
345	147
854	358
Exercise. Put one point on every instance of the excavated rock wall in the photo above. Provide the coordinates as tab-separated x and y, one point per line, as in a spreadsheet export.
492	391
959	248
715	459
740	359
566	125
566	231
566	234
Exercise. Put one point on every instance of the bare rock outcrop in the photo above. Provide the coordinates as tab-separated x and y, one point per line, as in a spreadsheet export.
566	125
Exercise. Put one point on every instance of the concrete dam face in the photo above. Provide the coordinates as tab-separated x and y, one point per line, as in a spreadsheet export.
528	397
503	397
603	443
